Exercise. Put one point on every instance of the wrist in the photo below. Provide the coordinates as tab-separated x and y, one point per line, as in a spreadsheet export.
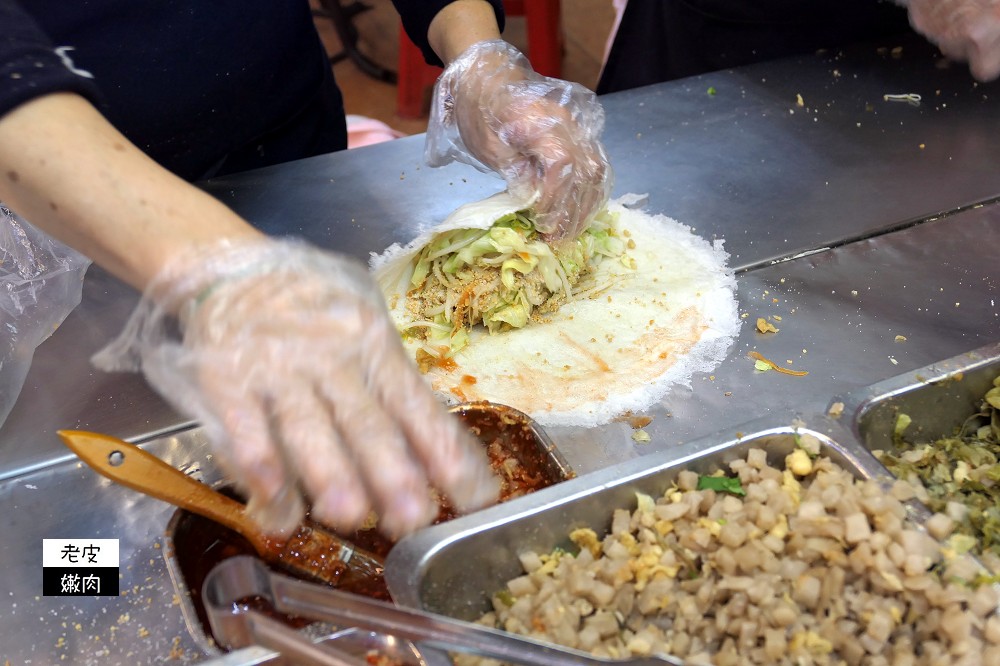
459	25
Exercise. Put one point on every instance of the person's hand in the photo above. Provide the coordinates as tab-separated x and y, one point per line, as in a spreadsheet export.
290	361
966	30
540	134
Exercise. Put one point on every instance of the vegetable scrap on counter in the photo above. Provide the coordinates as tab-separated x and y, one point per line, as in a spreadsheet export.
764	364
913	99
641	437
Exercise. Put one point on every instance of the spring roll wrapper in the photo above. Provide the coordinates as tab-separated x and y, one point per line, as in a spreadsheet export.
595	358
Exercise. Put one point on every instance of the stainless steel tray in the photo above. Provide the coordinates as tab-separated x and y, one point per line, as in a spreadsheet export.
938	398
455	567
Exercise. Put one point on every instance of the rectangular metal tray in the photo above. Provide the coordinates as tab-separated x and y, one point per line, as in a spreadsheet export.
938	399
455	567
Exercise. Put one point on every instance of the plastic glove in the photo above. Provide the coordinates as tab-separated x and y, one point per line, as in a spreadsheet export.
491	110
41	281
290	361
967	30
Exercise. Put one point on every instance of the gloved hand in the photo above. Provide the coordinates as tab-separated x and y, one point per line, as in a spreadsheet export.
967	30
288	357
491	110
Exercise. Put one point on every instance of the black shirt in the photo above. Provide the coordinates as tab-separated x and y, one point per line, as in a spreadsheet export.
203	86
663	40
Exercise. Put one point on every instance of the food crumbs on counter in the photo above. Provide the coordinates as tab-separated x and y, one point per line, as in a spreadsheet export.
176	651
143	632
727	393
711	90
836	409
641	437
900	338
635	422
776	317
893	361
764	326
798	100
761	365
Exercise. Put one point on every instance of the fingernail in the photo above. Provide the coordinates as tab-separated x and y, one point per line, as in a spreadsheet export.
279	514
267	479
340	507
410	512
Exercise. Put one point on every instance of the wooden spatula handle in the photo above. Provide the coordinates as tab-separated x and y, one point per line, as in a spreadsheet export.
139	470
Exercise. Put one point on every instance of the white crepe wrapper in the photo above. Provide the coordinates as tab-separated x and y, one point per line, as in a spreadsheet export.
594	358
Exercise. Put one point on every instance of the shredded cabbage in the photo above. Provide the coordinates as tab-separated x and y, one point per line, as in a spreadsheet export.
499	277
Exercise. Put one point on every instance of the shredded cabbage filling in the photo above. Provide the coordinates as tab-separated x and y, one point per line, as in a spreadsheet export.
502	277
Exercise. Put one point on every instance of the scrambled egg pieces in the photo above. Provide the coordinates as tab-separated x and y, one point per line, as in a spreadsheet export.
586	538
799	463
811	642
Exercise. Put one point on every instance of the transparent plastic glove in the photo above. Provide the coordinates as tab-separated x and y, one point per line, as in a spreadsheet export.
966	30
287	356
542	135
41	281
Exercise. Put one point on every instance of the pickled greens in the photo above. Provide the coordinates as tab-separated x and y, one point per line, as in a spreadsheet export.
958	475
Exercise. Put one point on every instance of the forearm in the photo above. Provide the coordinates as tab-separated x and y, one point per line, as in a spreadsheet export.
460	25
69	172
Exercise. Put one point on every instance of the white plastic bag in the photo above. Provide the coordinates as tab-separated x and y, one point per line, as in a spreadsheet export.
41	281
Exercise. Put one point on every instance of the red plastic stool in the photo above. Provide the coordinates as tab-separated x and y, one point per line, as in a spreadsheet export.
544	51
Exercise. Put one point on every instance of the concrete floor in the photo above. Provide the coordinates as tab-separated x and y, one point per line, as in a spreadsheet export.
586	25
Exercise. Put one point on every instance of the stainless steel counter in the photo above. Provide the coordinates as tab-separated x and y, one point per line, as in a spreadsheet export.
854	219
